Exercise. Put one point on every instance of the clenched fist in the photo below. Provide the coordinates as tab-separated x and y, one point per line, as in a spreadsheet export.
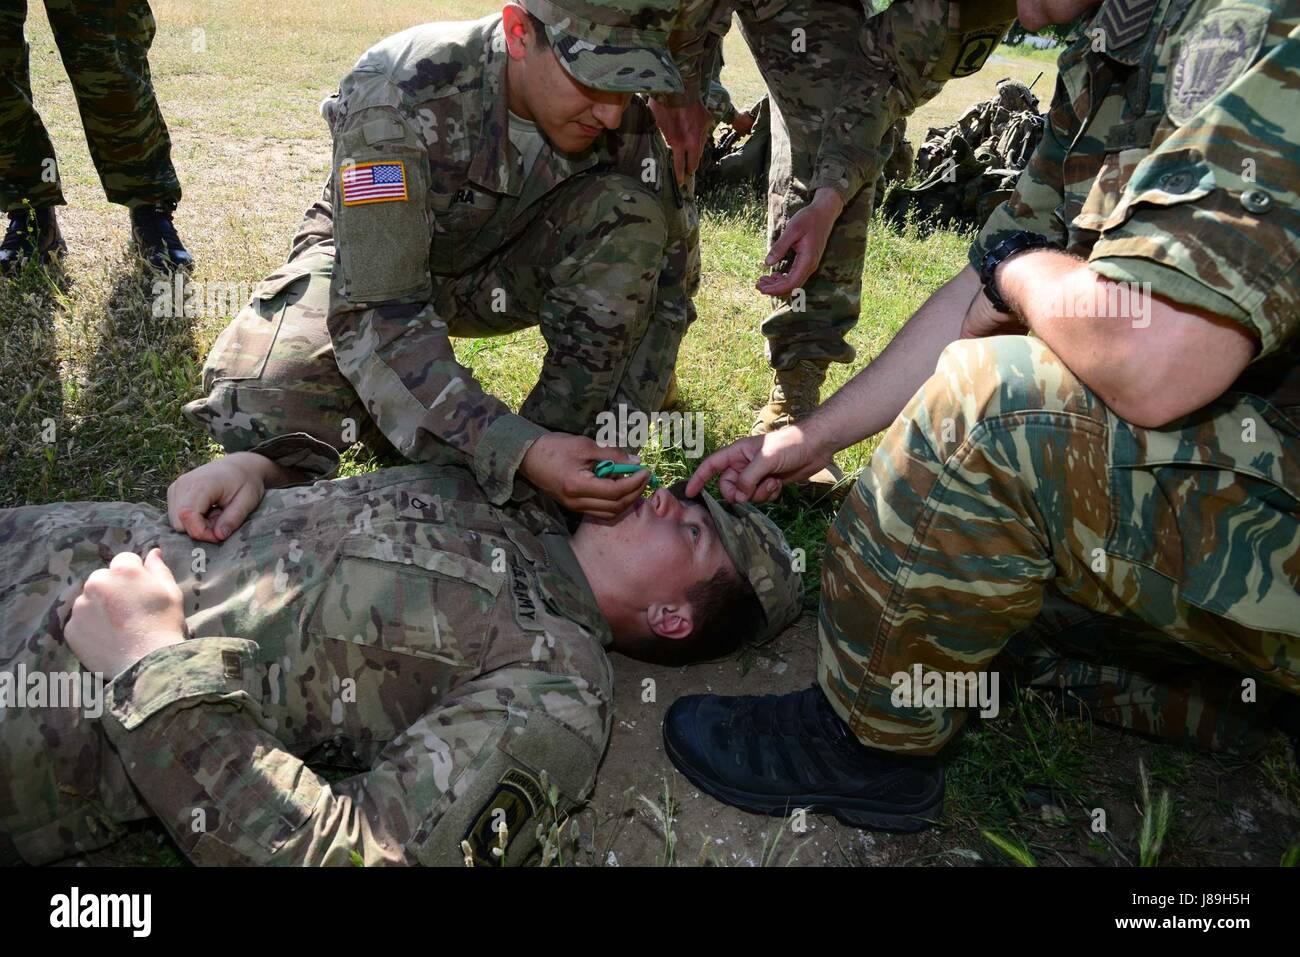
125	611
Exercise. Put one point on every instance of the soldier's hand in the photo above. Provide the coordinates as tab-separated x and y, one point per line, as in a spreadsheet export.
561	466
742	123
125	611
684	128
757	467
806	235
211	501
983	320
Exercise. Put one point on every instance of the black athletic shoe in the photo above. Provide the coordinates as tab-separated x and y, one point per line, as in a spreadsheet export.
155	238
32	234
771	754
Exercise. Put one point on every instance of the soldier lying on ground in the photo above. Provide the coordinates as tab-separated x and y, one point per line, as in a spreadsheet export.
488	177
1114	500
395	624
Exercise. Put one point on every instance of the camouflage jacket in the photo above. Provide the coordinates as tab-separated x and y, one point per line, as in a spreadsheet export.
911	48
909	52
395	625
1169	158
431	102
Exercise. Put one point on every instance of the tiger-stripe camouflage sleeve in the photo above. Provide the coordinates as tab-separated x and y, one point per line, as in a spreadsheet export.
1211	217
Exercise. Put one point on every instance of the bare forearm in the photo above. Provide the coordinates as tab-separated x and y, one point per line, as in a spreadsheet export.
873	398
1150	359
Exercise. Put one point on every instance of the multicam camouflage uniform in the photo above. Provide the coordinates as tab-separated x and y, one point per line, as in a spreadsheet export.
465	242
395	625
105	50
967	169
1007	498
840	130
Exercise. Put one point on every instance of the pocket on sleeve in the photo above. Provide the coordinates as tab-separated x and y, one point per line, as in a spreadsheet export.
381	221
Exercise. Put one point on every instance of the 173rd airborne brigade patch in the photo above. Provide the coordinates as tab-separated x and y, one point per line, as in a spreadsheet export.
517	799
380	182
1212	55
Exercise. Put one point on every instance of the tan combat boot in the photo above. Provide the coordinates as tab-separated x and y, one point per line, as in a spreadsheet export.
671	397
795	395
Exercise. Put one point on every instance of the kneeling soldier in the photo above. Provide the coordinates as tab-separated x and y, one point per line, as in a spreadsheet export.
488	176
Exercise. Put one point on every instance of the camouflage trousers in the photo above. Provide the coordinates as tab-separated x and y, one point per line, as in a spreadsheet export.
273	371
105	46
815	327
1006	510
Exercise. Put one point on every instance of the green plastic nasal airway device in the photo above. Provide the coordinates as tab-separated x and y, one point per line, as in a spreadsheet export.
611	470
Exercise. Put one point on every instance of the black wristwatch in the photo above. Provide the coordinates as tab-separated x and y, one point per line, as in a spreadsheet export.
1015	243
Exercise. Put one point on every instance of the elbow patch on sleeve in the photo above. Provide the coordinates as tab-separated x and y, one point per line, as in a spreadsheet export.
510	789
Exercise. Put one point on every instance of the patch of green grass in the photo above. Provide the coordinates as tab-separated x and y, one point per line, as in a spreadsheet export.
1023	52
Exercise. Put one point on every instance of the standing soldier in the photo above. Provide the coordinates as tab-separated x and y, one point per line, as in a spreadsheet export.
830	143
488	176
105	50
1114	500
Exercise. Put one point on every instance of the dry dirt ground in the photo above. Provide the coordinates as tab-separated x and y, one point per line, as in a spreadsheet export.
1220	812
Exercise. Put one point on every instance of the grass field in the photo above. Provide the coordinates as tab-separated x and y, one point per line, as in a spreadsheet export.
91	383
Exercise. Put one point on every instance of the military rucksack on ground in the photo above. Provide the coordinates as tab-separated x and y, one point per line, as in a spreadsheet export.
968	168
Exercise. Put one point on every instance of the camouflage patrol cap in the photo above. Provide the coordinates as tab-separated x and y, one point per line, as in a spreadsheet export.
615	45
764	559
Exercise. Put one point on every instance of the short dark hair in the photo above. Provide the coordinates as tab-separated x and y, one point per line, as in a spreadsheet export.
727	614
539	31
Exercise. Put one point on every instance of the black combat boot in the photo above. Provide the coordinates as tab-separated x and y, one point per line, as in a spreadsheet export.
156	240
771	755
32	234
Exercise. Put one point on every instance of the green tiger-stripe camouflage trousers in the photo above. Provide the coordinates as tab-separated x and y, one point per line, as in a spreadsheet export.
1008	504
105	46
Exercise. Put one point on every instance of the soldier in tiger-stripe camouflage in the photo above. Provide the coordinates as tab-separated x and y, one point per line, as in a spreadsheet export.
105	48
1113	501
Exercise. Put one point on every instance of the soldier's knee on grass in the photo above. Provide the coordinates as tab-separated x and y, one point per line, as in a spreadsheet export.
614	209
272	372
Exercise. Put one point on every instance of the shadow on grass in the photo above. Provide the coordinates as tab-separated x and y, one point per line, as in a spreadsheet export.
31	390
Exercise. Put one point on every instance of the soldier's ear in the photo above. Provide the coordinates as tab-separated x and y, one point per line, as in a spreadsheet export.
517	28
671	621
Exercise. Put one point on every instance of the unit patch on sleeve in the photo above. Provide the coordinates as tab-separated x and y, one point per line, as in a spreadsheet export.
517	798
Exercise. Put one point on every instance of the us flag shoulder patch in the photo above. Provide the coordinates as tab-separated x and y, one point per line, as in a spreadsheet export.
373	182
